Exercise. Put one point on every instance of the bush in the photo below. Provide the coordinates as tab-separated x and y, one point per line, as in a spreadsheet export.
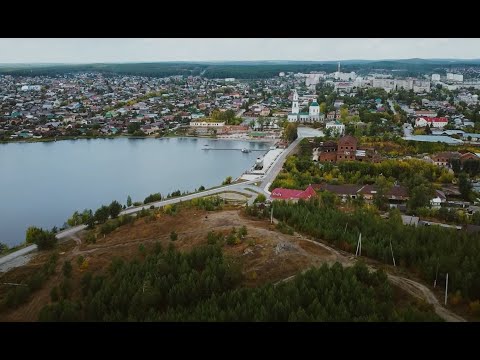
173	236
65	288
42	238
242	232
80	260
231	238
67	269
84	265
114	209
260	198
170	209
108	227
137	203
90	238
284	228
152	198
227	181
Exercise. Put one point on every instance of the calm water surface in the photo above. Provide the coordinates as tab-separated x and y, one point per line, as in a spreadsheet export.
42	184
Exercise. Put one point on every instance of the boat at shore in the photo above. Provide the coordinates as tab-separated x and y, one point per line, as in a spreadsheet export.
245	150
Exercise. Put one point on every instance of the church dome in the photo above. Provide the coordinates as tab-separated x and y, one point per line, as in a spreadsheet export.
314	103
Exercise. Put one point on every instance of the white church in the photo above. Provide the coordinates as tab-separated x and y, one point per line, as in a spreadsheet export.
312	115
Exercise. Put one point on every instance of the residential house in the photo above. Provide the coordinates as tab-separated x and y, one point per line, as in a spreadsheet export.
445	157
292	194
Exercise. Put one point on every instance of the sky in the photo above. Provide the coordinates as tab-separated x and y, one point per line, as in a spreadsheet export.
90	50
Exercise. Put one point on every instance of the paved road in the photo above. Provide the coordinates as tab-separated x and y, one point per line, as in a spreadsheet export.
390	102
278	164
19	258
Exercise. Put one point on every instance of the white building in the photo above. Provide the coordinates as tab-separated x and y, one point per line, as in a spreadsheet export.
337	127
420	86
386	84
297	116
282	74
206	124
435	77
314	111
421	122
343	86
455	77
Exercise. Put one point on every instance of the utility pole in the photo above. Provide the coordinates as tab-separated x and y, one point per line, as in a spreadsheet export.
271	215
359	246
391	248
446	290
344	231
436	276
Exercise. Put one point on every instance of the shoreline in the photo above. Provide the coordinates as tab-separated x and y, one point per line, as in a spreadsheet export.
44	140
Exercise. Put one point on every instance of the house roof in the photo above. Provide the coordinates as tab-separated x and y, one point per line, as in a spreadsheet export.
314	104
287	194
347	139
398	191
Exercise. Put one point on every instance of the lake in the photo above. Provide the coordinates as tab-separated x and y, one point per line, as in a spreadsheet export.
42	184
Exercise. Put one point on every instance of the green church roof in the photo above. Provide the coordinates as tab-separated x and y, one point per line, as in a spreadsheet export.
314	104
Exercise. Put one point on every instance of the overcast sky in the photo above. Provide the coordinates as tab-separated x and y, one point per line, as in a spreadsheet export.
144	50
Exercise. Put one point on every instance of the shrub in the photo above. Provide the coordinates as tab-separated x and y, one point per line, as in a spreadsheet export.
67	269
173	236
90	238
42	238
260	198
80	260
152	198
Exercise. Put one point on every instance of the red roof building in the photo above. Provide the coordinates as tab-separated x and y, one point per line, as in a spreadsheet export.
292	194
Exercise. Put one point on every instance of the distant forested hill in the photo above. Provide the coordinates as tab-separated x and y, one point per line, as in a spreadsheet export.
239	70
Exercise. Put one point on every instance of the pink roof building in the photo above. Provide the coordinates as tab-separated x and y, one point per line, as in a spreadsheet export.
292	194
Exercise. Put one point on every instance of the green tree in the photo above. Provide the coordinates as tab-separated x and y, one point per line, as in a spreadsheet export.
114	209
42	238
133	127
129	201
228	180
464	186
323	107
419	197
290	132
102	214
